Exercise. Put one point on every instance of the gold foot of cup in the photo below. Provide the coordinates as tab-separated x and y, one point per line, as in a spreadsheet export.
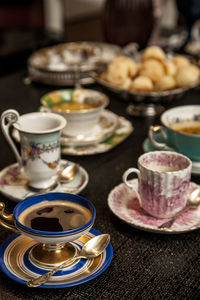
49	256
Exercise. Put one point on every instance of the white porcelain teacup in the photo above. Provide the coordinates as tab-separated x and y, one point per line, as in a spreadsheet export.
163	181
80	107
40	144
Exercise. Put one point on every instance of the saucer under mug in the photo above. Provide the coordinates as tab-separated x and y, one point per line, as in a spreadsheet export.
13	183
17	266
124	204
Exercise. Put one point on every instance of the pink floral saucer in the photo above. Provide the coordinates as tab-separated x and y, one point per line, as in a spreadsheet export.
123	202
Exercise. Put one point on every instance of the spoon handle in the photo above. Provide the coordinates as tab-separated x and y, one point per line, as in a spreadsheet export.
169	223
45	277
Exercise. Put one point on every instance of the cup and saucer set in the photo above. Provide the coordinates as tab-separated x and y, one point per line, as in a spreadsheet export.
50	228
90	129
163	199
39	167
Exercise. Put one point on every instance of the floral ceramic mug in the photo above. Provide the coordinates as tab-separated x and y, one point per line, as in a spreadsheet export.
163	181
40	146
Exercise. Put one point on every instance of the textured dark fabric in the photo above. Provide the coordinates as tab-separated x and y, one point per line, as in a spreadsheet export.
145	265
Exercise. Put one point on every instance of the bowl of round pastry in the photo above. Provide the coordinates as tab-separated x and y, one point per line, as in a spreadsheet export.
151	77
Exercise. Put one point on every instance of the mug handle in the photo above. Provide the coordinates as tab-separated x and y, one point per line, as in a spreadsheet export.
8	118
152	131
129	184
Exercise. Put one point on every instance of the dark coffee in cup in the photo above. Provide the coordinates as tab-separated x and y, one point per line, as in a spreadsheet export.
55	216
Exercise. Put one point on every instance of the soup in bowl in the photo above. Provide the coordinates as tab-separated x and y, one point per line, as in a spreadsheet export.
80	107
181	131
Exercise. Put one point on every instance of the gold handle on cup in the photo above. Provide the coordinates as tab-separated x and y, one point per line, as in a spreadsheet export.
6	220
152	131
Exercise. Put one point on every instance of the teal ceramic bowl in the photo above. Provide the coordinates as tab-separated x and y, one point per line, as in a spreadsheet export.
185	143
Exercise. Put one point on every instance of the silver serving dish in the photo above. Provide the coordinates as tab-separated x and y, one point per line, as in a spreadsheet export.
144	103
66	63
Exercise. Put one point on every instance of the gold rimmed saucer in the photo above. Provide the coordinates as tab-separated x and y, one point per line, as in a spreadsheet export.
14	184
122	131
16	263
105	127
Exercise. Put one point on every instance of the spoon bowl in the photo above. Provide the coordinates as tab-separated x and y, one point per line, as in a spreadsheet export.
91	249
95	246
194	198
68	173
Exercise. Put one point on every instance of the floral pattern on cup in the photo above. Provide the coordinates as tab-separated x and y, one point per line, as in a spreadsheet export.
40	140
35	150
164	179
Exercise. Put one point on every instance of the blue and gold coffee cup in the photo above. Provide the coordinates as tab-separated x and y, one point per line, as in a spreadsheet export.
53	220
180	129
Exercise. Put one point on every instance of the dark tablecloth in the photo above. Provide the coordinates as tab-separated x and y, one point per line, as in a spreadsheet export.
145	265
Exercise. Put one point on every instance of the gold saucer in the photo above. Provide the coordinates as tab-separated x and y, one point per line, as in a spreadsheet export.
16	264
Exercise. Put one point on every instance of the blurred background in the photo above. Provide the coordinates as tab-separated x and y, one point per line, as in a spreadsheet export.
26	25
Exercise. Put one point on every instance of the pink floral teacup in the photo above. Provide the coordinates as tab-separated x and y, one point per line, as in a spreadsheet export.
163	180
40	144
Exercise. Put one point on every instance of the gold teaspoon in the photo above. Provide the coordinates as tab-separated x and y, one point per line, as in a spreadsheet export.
68	173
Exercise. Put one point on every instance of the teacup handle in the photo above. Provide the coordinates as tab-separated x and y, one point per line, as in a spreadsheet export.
8	118
6	220
129	184
152	131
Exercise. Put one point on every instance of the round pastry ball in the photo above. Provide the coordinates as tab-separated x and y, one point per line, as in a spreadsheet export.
180	61
117	79
153	69
187	76
165	83
122	82
116	70
170	68
117	73
125	63
154	52
142	84
126	83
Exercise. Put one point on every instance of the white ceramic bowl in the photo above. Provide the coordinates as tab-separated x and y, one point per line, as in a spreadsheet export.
79	122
